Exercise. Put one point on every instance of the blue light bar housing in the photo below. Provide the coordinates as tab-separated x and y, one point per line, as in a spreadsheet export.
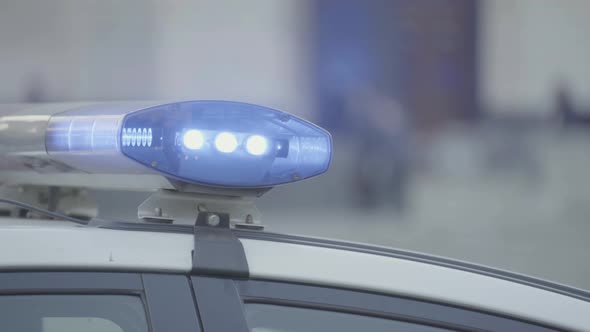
229	144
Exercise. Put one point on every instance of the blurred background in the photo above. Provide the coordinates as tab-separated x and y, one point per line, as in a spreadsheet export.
461	127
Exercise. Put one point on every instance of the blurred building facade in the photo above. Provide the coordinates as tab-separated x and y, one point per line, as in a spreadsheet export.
527	49
111	50
464	55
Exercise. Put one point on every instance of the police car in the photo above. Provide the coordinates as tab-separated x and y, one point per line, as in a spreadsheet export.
197	258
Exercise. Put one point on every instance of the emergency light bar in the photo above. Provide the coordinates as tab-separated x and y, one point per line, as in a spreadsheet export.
211	143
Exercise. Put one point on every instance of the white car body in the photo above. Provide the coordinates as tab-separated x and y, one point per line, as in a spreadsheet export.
29	245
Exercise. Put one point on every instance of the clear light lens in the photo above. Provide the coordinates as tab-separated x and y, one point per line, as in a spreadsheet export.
256	145
226	142
193	139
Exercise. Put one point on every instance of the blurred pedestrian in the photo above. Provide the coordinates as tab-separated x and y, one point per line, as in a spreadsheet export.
382	162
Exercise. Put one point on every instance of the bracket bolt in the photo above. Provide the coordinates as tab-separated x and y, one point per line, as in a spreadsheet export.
201	208
213	220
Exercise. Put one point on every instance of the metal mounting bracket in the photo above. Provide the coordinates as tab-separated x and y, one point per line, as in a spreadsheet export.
173	207
217	251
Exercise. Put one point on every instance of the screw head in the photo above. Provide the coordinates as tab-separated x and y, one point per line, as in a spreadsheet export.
201	208
213	220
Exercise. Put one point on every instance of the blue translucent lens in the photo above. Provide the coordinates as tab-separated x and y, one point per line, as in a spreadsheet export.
225	144
256	145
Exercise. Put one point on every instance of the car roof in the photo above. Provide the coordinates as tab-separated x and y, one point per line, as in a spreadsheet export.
53	245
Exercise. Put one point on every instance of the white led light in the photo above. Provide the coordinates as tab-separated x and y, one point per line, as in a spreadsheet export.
128	136
125	137
149	137
256	145
226	142
144	137
193	139
133	136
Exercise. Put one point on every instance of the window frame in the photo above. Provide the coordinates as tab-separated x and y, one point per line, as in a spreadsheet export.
152	289
380	306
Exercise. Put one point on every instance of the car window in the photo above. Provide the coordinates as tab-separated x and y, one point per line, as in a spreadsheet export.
266	318
72	313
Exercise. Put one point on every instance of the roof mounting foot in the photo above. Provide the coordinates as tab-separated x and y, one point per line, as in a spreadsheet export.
217	251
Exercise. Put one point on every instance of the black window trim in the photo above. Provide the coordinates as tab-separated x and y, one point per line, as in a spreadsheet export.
381	306
70	283
357	311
